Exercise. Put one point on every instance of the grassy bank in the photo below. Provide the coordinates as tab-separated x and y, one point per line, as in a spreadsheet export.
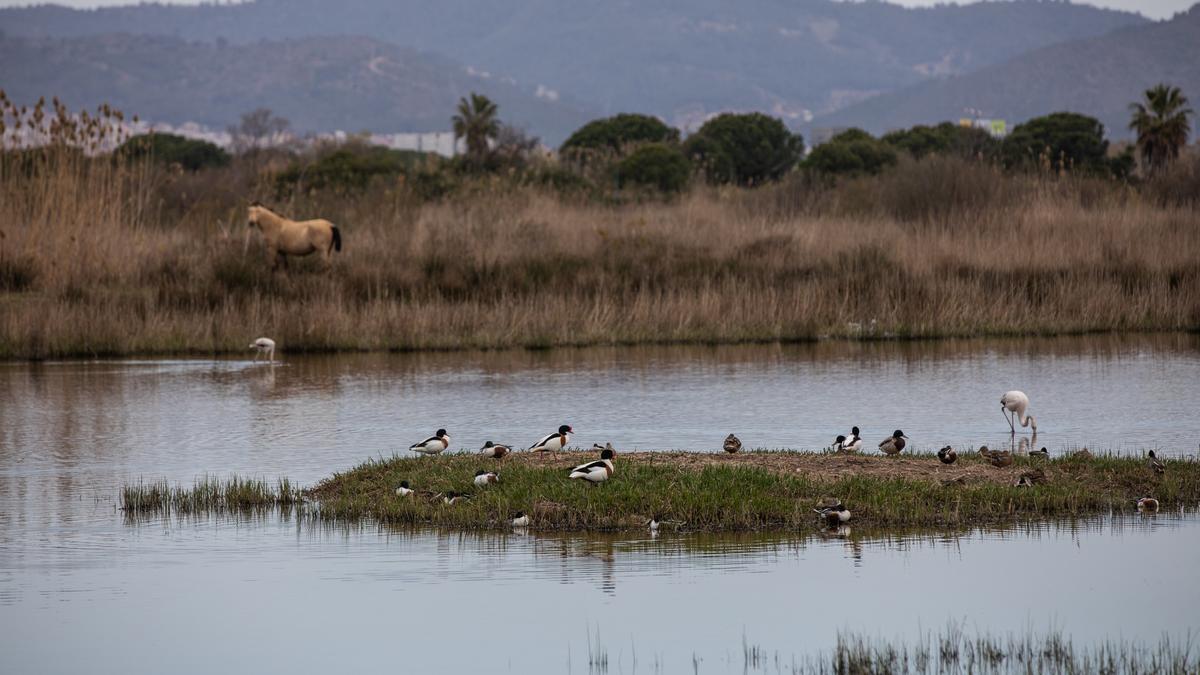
104	258
709	492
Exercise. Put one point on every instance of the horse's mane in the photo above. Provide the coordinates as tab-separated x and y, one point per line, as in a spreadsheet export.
263	206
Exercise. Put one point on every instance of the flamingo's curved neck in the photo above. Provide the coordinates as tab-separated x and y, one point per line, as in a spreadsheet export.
1027	420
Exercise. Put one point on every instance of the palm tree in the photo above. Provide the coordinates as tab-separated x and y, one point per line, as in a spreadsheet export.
476	121
1162	125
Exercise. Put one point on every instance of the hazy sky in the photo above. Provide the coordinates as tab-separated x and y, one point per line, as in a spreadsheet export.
1156	9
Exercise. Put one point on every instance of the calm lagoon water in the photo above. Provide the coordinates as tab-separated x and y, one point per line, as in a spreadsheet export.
82	590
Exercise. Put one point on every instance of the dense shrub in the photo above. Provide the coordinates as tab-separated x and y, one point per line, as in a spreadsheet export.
1062	140
852	152
747	149
348	168
656	165
190	153
615	134
946	138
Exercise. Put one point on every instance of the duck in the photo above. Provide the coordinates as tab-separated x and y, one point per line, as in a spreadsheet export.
947	455
853	442
519	520
839	443
454	497
607	446
403	490
984	452
433	445
554	442
1155	463
483	478
892	445
1043	453
1083	454
1033	477
833	515
494	450
732	444
597	471
1147	504
653	523
1001	458
1023	481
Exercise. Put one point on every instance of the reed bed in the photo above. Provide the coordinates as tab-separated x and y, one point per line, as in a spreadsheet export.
699	492
208	495
100	257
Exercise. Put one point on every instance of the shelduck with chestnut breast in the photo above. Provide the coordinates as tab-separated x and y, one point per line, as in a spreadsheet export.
1147	504
833	514
403	490
520	520
554	442
597	471
485	478
433	445
853	442
893	444
494	450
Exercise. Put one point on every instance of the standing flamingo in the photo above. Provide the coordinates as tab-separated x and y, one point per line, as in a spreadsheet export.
1013	404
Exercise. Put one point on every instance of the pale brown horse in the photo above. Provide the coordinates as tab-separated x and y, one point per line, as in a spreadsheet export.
285	237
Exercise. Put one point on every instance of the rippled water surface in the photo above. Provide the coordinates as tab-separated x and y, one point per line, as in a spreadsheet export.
82	590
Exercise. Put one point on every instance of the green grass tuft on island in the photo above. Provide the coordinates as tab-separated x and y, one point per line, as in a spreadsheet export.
766	490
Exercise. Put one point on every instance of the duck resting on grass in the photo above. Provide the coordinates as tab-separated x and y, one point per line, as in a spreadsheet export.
833	514
853	442
403	490
485	478
597	471
947	455
732	444
494	450
433	445
554	442
1001	459
1043	453
454	497
893	444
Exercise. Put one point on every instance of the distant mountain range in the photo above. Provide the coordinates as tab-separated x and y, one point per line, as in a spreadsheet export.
680	59
319	84
1098	76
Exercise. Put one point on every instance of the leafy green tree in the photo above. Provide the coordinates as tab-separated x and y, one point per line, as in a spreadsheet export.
619	132
476	121
189	153
747	149
946	138
1063	140
656	165
1162	125
853	151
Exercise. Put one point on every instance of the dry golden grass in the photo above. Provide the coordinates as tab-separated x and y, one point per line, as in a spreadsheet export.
98	257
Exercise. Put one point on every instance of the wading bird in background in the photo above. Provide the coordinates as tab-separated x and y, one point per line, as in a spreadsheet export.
1013	404
264	345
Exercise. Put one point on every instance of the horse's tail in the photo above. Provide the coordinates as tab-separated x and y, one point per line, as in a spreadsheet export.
337	238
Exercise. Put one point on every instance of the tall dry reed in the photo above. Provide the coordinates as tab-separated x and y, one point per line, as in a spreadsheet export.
103	257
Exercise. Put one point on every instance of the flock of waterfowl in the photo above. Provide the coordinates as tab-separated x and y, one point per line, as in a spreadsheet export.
833	512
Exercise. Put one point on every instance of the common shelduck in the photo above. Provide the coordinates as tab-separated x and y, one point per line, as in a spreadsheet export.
653	523
555	441
732	444
433	445
853	442
597	471
485	478
520	520
494	450
454	497
403	490
1147	504
892	445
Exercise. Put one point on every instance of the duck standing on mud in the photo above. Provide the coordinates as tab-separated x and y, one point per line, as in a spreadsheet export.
893	444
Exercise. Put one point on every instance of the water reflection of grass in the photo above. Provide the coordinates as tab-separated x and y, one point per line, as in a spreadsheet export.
707	495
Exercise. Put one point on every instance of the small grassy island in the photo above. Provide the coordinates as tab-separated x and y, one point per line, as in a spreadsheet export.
763	490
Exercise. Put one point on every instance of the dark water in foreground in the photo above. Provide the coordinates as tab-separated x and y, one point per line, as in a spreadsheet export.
81	590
